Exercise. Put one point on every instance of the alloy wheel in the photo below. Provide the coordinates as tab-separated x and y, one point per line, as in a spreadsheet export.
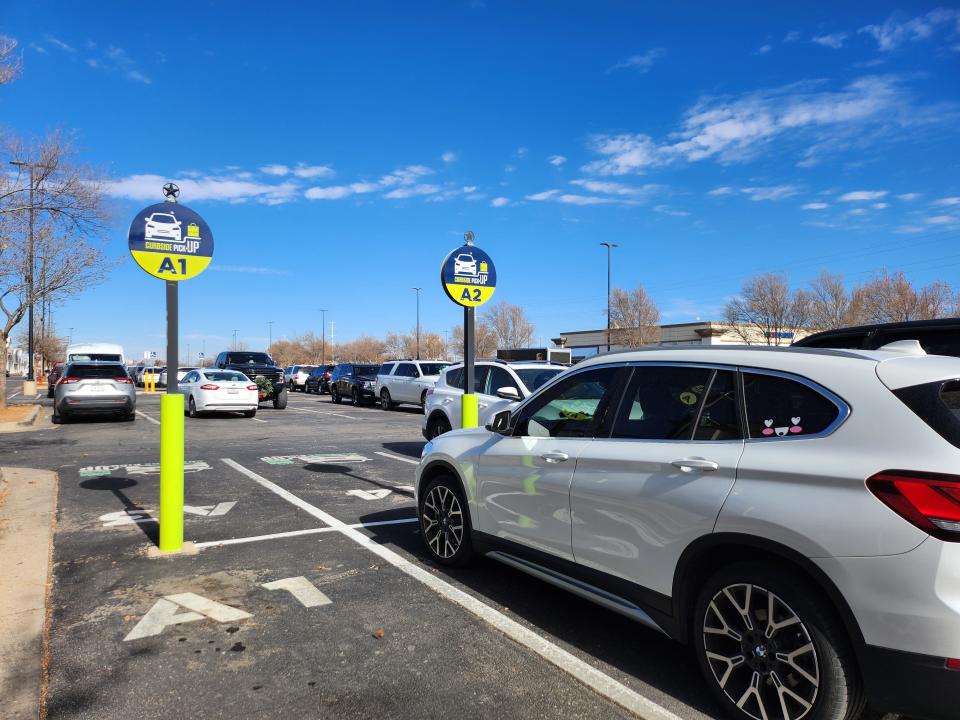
442	521
760	653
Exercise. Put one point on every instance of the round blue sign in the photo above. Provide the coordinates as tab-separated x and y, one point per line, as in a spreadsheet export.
170	241
468	276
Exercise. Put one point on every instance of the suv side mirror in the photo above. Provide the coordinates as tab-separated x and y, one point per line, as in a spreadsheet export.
508	393
501	423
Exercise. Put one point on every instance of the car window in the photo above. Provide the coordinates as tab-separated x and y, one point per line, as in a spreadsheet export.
719	418
500	378
432	368
661	402
226	376
97	371
385	369
781	407
536	378
407	370
480	378
938	405
189	378
366	370
574	407
455	378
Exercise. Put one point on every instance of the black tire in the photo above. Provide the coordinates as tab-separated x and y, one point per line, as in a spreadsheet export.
355	397
50	391
249	413
838	693
438	514
57	418
192	408
335	395
385	402
130	417
280	400
438	425
423	401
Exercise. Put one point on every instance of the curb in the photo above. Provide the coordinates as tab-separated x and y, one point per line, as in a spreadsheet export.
29	421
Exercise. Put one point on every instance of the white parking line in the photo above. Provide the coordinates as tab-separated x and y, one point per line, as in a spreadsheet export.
598	681
256	419
297	533
10	397
323	412
396	457
144	415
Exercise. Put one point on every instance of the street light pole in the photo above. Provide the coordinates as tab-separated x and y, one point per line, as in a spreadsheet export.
417	290
609	246
234	339
323	336
270	325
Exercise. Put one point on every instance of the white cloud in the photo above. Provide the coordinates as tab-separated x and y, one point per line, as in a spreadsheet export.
857	211
545	195
573	199
667	210
409	191
791	36
508	168
93	63
640	63
247	269
946	202
862	195
898	29
313	171
449	156
613	188
831	40
880	206
469	189
38	48
59	44
279	170
556	160
722	190
763	49
500	202
815	206
774	192
405	182
734	129
521	152
137	76
218	188
907	197
942	220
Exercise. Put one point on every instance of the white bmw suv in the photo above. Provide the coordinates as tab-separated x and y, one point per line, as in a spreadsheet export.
793	514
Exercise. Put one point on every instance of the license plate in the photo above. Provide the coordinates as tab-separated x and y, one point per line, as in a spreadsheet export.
97	388
233	392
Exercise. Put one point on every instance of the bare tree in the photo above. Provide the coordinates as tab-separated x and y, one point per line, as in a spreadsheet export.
829	302
766	309
432	346
510	325
365	349
486	342
10	62
890	297
635	316
64	254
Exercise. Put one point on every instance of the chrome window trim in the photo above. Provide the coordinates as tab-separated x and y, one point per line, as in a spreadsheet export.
843	408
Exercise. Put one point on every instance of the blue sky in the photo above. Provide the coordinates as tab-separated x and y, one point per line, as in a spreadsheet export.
339	150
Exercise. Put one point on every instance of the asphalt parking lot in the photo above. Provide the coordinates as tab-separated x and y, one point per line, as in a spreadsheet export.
310	593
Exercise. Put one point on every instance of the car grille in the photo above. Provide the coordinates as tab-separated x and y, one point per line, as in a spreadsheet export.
275	376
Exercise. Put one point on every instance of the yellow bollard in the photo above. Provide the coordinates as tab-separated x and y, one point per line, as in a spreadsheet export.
470	411
171	472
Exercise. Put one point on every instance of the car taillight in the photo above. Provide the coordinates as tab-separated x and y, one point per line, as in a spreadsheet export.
209	386
953	664
251	387
928	500
65	381
126	381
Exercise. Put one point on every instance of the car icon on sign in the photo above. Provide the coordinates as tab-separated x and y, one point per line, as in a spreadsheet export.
162	226
465	264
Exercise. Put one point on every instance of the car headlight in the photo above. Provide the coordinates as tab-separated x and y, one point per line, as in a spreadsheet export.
427	449
369	384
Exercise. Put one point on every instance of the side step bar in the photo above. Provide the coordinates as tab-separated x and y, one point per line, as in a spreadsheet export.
578	587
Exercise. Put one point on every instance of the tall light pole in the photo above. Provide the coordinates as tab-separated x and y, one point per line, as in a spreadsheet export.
70	340
234	339
30	167
323	336
417	290
270	325
609	247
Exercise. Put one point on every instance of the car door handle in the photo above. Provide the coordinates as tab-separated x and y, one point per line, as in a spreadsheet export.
555	457
687	464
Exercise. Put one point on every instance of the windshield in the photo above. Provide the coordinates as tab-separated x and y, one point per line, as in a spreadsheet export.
225	376
97	371
94	357
370	370
534	378
162	218
432	368
249	358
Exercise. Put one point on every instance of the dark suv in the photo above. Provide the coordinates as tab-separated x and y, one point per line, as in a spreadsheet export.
937	337
319	379
355	381
256	365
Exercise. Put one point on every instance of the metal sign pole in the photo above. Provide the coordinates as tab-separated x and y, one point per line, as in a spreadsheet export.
469	407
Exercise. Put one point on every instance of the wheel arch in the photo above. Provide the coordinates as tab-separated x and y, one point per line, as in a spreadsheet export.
438	413
443	467
705	556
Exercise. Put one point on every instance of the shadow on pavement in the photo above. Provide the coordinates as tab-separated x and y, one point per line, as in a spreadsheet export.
410	449
149	526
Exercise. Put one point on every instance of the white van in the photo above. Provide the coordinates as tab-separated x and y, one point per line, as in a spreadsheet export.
105	352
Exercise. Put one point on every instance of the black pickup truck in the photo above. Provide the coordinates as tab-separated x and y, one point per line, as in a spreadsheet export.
256	365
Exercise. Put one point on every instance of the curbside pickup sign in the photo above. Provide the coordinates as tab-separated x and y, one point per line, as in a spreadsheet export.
468	276
170	241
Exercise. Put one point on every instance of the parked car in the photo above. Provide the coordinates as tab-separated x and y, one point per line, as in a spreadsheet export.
355	381
151	375
498	384
747	501
257	365
936	337
319	379
53	377
94	388
297	377
407	381
181	373
214	390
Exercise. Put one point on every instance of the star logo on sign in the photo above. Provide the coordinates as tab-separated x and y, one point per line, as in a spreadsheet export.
171	191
